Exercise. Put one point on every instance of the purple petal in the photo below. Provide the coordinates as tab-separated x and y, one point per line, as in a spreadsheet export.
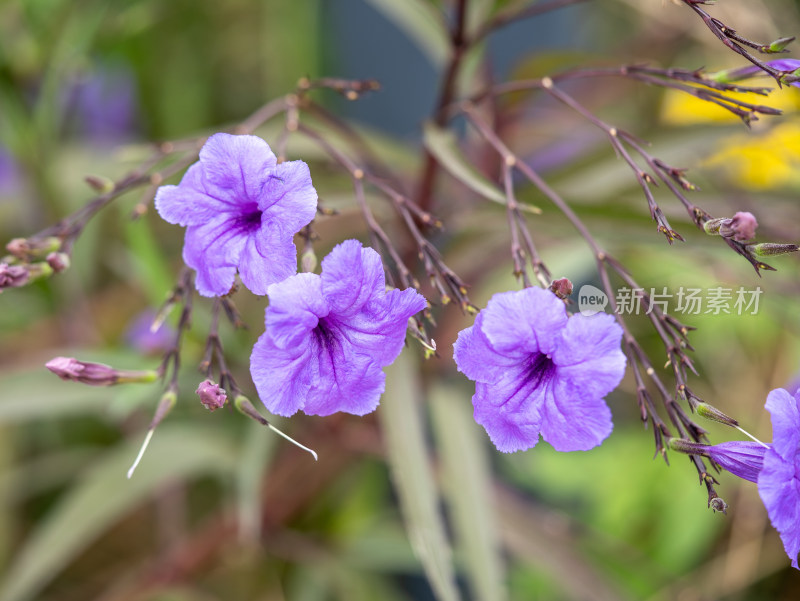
519	323
744	459
574	421
188	204
262	264
282	376
779	488
347	381
510	414
295	308
352	276
784	64
288	198
589	355
236	168
785	422
475	358
213	250
379	329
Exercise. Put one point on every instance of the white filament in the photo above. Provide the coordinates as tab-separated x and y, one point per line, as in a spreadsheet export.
746	433
292	440
141	452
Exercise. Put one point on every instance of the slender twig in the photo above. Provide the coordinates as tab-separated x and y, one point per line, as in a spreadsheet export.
460	45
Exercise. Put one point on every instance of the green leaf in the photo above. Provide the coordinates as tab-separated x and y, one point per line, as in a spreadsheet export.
467	485
443	146
103	496
257	453
408	458
478	12
421	23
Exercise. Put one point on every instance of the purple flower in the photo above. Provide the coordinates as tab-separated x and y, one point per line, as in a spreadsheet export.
538	372
327	337
241	210
741	458
779	480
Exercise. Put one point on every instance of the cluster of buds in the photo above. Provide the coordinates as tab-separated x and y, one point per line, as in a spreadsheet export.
30	259
739	232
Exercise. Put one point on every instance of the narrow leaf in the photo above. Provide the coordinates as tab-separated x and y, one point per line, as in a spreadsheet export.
421	23
408	458
467	485
443	146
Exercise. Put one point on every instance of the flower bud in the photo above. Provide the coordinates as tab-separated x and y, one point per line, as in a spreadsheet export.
96	374
13	276
26	249
58	261
741	227
211	395
308	261
709	412
38	270
779	45
768	249
717	504
99	183
561	288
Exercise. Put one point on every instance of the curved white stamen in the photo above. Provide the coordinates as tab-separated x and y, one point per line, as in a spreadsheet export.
293	441
746	433
141	452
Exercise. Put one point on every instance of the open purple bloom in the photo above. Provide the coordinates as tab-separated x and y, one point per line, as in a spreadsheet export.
241	210
327	337
779	480
538	372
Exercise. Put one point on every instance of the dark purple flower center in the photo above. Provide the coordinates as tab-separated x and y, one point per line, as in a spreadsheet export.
540	369
325	337
250	219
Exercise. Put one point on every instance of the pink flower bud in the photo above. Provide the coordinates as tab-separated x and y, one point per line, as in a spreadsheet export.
13	276
741	227
58	261
211	395
96	374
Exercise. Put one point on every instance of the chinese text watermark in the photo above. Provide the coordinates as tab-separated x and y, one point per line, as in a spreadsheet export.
689	301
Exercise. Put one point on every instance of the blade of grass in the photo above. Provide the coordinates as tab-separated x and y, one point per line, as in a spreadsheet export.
467	485
401	422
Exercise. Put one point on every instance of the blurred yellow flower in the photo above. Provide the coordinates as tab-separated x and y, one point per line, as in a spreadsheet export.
762	160
680	108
